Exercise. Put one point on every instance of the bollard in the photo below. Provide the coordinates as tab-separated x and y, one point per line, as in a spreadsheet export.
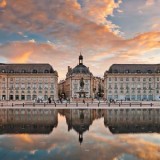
76	104
23	104
87	104
55	104
140	104
98	104
44	104
130	104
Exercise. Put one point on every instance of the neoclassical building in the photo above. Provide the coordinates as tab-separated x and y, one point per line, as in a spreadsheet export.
78	82
98	87
28	82
132	82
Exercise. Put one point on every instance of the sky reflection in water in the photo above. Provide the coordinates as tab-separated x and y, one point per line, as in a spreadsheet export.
41	134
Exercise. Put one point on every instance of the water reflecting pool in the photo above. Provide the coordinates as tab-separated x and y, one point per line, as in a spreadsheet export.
75	134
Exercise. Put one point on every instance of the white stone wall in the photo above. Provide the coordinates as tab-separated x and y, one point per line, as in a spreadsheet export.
76	87
28	87
132	87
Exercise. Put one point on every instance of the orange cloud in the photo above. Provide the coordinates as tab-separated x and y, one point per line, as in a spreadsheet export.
150	2
22	58
98	10
127	144
26	138
3	3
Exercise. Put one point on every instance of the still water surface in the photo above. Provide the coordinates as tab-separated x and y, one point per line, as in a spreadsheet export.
73	134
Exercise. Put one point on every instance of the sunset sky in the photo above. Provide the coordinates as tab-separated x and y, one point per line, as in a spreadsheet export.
55	31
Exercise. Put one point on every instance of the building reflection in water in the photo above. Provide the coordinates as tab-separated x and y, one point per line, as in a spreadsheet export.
80	119
32	121
132	120
42	121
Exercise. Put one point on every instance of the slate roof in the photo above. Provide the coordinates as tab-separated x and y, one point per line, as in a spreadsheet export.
134	68
26	68
81	69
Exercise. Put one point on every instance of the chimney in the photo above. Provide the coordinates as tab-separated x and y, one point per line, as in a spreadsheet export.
69	68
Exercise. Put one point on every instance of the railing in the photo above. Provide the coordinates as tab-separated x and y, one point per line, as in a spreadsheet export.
83	105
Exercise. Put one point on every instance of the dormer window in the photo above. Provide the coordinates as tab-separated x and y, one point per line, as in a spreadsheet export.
11	71
138	71
46	71
23	71
34	71
149	71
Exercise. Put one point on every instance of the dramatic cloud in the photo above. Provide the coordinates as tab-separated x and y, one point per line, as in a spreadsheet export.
33	52
49	29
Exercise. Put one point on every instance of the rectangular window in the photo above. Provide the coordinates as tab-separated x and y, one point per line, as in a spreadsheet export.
16	85
40	86
110	85
52	85
46	86
22	85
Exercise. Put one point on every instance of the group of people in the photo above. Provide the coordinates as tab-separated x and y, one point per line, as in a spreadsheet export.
40	100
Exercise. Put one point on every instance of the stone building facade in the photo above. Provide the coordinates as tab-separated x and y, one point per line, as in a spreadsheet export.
28	82
74	77
134	82
98	87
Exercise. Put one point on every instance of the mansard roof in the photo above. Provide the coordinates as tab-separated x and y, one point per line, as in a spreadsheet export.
134	68
26	68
